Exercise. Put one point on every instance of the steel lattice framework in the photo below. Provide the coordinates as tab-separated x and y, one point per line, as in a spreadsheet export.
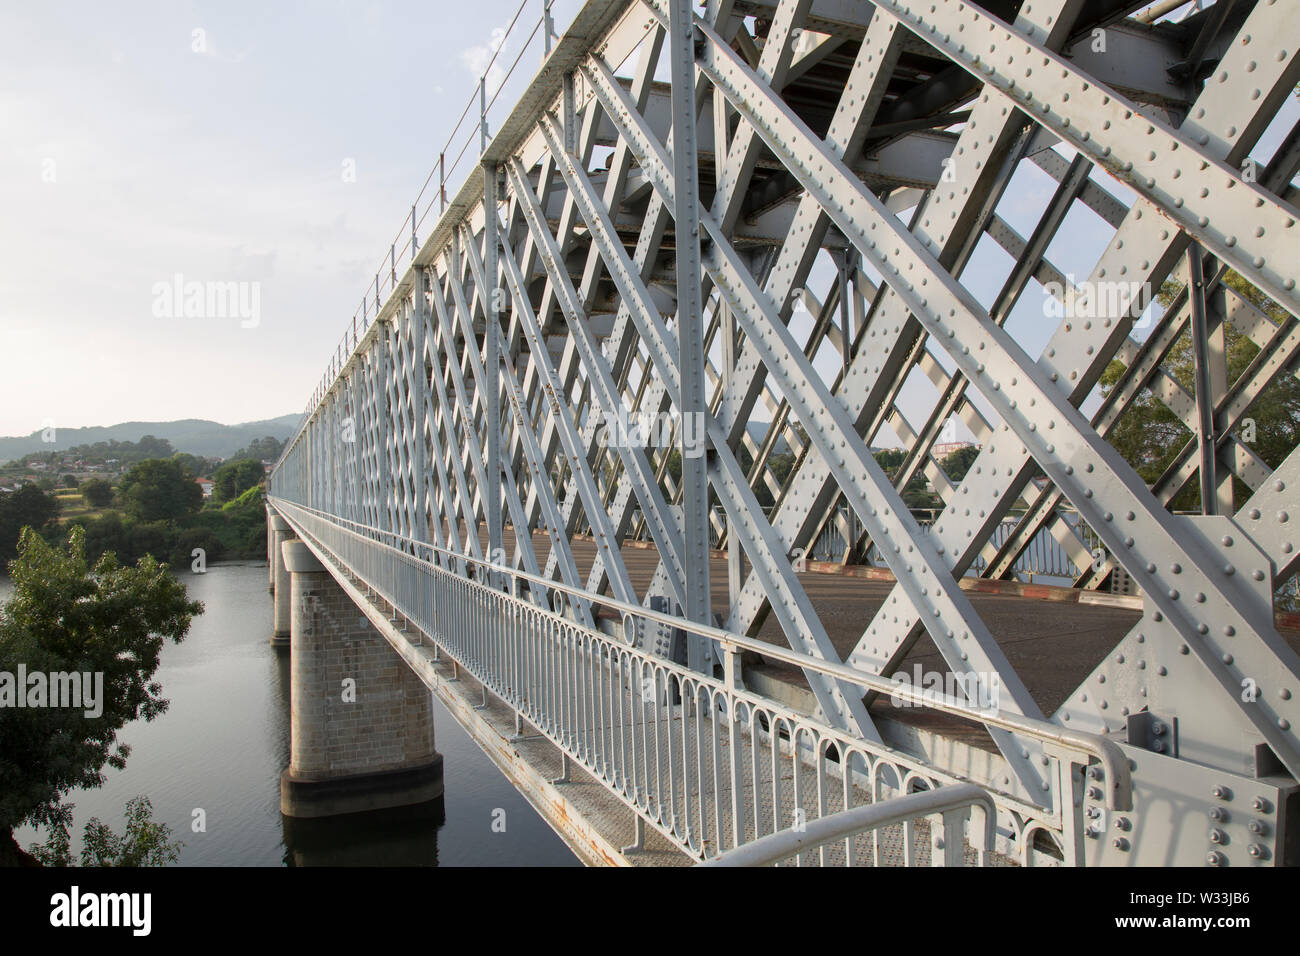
781	235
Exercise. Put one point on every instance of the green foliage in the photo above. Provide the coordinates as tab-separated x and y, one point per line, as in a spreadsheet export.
97	492
261	449
890	458
29	506
916	494
233	530
194	466
159	490
68	481
236	477
145	842
1149	436
955	464
67	616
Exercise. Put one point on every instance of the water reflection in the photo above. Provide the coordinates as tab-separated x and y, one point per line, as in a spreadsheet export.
405	836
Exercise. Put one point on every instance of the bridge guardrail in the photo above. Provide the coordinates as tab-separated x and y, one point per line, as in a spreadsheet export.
951	805
656	734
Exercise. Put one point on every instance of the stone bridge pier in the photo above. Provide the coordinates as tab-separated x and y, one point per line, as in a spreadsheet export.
362	722
278	531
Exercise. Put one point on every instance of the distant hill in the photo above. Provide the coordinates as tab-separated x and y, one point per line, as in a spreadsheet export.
192	435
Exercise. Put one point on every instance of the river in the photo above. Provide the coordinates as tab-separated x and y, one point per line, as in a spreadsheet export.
223	742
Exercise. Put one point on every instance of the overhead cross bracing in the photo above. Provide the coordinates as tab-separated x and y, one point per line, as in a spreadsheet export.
916	222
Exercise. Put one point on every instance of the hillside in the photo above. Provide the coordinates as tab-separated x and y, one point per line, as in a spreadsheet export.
193	435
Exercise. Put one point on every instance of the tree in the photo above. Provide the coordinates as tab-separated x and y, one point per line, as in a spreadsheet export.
68	481
956	463
194	466
97	492
65	616
29	506
235	477
151	447
145	842
261	449
159	490
1149	436
916	494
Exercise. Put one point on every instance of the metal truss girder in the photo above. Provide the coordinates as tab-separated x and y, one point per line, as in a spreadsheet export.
553	524
812	476
748	371
606	542
623	342
1270	517
919	569
795	612
1087	469
1000	469
691	401
1271	363
523	542
1239	221
649	325
471	442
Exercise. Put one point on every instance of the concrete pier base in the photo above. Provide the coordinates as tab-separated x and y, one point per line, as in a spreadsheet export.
362	722
280	532
270	551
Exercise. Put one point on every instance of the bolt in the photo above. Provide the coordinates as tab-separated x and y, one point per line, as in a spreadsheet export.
1120	843
1261	805
1215	858
1219	814
1222	793
1257	851
1218	836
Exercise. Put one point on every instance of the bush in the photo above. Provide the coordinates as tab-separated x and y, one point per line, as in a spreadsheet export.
97	492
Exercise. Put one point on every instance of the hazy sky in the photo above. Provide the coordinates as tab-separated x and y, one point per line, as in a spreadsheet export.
216	142
127	158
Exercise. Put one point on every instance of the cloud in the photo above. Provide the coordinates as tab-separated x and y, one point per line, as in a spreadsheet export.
476	59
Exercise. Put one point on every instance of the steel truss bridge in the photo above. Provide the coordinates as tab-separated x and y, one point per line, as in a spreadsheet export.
768	226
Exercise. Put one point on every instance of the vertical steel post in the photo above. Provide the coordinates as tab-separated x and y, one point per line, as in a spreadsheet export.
727	325
492	361
442	182
382	418
690	327
415	243
418	399
1204	395
548	28
569	107
482	115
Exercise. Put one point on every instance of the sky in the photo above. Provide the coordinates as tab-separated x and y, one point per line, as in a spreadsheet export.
212	141
150	146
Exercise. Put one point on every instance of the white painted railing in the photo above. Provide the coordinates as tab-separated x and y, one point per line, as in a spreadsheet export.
710	765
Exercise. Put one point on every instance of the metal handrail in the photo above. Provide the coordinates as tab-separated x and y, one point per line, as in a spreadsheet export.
873	816
1111	758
